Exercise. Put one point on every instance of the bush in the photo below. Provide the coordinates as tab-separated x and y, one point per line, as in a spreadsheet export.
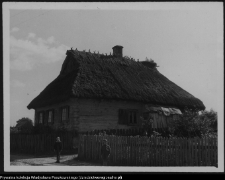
192	124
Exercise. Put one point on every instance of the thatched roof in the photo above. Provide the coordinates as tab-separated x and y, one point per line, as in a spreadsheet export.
92	75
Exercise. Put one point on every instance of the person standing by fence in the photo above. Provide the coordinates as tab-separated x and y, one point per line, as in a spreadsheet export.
105	152
58	149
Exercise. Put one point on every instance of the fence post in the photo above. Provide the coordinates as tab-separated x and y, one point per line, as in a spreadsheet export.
149	151
155	151
204	152
163	151
200	152
79	147
207	152
95	147
113	149
176	150
166	151
117	149
186	150
183	151
196	155
123	149
210	150
160	150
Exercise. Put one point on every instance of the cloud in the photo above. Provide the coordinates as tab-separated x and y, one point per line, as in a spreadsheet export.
16	83
33	50
15	29
31	35
51	40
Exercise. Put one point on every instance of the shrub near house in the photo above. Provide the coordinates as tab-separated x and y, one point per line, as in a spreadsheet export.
193	124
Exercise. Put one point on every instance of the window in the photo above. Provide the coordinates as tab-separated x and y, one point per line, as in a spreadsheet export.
41	118
65	113
50	116
128	116
132	117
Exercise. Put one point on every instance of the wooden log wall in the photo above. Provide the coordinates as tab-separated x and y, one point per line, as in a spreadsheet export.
103	114
90	114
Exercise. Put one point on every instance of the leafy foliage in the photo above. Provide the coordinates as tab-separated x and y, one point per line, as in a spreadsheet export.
193	124
190	124
41	129
24	125
14	130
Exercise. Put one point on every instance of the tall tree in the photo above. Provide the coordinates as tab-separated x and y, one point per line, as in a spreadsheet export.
24	124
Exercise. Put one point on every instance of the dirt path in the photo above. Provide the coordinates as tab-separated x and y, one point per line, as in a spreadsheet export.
65	160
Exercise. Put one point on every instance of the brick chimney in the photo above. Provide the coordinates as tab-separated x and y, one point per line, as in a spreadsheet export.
118	51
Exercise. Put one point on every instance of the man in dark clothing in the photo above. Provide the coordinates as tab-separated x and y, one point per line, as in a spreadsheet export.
58	148
105	152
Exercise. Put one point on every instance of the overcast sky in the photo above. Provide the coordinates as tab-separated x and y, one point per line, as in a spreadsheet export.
184	39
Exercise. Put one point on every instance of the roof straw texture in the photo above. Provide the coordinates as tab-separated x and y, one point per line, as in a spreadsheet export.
88	75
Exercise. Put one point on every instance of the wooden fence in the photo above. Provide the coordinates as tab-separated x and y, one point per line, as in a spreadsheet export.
40	143
129	132
150	151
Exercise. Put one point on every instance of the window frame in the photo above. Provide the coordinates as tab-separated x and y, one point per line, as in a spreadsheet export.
124	117
67	113
43	114
134	114
52	117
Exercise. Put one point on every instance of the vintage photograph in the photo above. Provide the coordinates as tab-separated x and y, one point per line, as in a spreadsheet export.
113	86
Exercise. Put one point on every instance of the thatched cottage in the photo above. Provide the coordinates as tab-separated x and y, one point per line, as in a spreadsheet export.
96	91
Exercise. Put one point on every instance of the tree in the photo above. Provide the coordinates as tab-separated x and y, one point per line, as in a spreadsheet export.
24	125
13	130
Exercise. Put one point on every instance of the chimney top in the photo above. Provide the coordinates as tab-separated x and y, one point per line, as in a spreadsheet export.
118	51
117	46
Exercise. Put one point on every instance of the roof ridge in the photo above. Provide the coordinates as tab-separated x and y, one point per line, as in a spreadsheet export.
101	55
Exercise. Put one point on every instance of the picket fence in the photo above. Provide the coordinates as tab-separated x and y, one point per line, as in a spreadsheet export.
40	143
129	132
150	151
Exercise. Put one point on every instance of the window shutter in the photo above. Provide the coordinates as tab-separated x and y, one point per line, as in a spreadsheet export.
135	117
125	116
120	118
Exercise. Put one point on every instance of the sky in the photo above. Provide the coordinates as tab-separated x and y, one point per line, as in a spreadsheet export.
184	39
